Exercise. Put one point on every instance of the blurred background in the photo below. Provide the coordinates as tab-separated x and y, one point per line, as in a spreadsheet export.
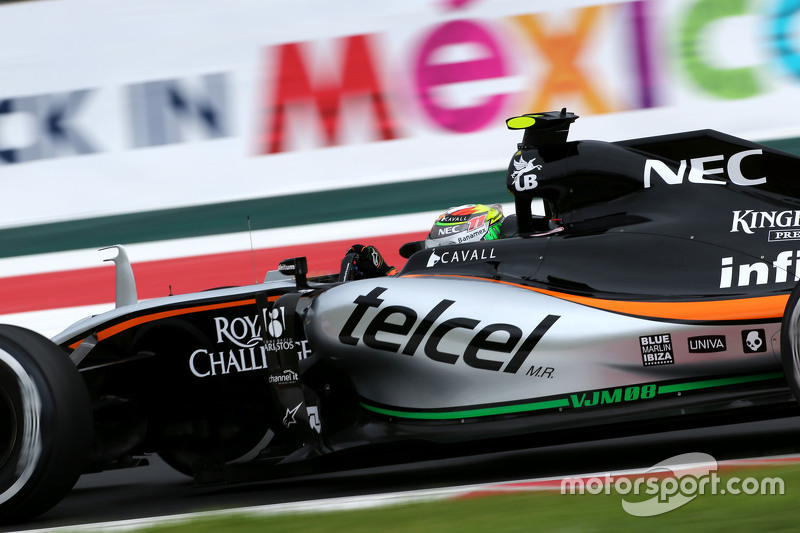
215	138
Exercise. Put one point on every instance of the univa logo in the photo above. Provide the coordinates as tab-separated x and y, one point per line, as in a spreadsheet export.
707	344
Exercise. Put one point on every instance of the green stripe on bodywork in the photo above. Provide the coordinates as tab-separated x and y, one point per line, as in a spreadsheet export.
471	413
265	213
681	387
560	402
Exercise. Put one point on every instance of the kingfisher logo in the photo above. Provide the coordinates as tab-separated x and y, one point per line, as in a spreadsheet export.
402	331
748	220
787	223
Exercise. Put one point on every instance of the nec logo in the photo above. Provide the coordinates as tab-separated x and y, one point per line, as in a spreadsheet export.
702	167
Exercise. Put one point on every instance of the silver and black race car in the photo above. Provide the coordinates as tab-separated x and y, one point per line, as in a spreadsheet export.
643	280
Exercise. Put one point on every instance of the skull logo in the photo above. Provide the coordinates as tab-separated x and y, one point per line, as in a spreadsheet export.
754	340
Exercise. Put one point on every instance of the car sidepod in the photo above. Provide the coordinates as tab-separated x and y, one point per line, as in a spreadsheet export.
450	348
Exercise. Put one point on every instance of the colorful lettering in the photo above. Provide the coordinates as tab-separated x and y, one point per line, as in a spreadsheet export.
293	87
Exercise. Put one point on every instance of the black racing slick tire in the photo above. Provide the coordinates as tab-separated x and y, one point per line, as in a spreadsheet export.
45	424
790	341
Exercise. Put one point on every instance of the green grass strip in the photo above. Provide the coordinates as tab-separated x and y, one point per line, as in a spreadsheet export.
537	511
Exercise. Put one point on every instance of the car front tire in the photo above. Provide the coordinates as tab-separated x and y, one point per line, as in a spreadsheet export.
45	424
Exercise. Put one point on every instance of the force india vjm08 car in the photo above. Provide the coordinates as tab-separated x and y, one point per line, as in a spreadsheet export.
645	279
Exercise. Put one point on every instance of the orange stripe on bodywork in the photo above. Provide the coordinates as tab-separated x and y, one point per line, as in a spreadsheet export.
737	309
757	308
139	320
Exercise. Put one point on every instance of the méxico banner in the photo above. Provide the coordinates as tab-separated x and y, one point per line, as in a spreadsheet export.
152	121
119	107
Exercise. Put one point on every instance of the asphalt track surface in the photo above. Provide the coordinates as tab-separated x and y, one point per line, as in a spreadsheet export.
157	490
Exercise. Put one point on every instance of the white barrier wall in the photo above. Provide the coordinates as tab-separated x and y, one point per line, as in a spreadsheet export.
112	107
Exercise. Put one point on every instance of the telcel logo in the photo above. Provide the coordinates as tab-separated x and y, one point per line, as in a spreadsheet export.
698	171
401	322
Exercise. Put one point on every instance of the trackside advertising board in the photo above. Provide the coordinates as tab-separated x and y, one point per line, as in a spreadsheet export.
119	107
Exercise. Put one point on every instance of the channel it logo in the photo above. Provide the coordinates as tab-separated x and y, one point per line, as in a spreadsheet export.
657	350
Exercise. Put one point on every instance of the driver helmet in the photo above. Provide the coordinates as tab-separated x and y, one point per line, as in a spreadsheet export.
466	223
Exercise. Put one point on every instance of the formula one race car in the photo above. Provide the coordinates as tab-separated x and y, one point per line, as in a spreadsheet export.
647	279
